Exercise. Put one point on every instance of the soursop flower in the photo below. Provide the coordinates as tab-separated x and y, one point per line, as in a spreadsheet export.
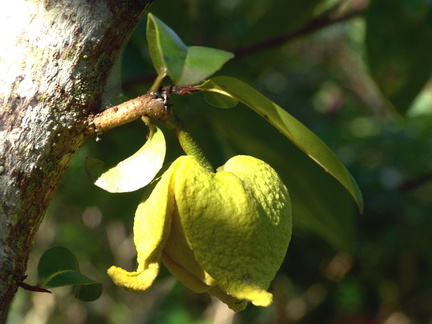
224	233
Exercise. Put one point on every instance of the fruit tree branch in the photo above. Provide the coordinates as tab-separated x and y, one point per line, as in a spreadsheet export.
314	25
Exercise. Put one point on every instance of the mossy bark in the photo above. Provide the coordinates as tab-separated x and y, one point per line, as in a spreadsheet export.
55	59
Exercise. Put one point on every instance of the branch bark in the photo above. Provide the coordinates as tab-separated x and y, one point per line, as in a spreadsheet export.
151	105
55	59
146	105
313	26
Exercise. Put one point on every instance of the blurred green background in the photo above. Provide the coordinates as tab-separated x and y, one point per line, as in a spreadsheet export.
361	85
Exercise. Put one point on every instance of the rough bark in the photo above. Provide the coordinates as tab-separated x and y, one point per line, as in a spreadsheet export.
54	61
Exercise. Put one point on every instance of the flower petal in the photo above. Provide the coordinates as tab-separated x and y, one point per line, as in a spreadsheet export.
238	223
151	229
180	260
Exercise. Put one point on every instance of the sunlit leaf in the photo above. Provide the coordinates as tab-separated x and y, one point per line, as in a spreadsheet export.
185	65
58	267
166	49
221	101
201	62
299	134
136	171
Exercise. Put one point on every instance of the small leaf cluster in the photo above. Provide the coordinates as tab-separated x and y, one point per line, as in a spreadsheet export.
188	66
58	267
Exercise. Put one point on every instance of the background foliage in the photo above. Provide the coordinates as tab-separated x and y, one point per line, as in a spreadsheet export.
360	85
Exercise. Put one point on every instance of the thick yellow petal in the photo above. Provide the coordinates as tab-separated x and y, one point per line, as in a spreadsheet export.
238	223
180	260
135	281
185	276
152	225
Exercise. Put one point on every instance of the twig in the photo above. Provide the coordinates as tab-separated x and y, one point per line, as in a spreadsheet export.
313	25
28	287
413	184
126	112
152	105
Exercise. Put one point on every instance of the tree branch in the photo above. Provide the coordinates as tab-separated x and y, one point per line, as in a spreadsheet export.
152	105
54	68
127	112
413	184
314	25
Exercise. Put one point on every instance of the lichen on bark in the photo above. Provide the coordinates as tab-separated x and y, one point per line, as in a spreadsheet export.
54	68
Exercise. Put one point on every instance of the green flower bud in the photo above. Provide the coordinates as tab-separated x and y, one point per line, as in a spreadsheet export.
225	233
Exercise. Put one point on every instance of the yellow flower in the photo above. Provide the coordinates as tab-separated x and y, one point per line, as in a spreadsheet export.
225	233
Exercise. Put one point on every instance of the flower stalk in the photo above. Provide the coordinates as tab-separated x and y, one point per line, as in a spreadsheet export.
187	141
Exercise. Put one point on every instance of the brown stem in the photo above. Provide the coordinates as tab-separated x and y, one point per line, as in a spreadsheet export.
28	287
152	105
413	184
146	105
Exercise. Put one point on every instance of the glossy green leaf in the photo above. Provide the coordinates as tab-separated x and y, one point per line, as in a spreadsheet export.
299	134
221	101
399	47
185	65
136	171
165	46
201	63
58	267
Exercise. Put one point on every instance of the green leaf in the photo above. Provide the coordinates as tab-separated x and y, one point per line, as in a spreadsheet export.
299	134
399	47
165	46
136	171
221	101
201	62
58	267
88	292
185	65
54	260
61	278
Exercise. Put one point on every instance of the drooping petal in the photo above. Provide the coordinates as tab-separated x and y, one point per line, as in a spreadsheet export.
151	229
136	171
238	223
